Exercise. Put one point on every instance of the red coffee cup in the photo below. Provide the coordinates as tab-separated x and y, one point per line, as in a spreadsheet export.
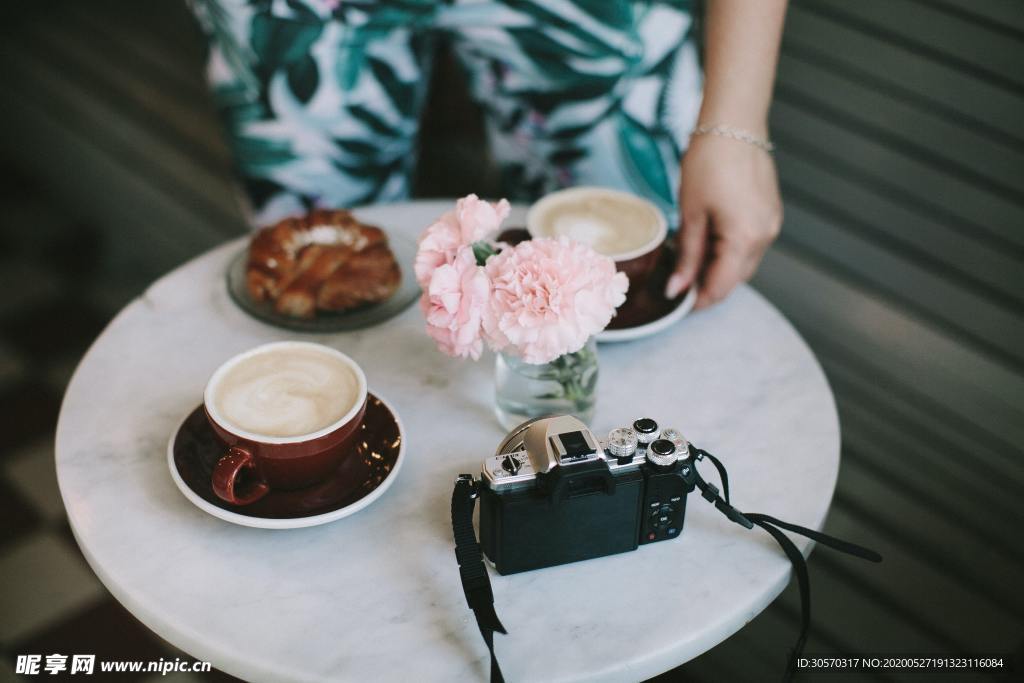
255	463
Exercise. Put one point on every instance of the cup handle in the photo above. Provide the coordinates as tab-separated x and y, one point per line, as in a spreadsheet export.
225	478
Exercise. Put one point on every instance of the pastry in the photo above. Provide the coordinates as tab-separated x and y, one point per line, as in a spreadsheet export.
326	260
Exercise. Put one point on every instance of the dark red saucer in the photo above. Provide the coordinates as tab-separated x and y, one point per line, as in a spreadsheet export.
647	303
195	451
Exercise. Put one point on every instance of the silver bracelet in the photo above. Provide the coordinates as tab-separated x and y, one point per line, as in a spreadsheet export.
734	133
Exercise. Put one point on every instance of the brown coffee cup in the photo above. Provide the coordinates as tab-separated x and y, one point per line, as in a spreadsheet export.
627	228
255	463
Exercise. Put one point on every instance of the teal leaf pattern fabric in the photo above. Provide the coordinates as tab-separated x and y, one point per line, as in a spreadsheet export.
321	98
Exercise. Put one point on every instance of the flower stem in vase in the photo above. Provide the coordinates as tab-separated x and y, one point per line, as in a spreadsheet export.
566	385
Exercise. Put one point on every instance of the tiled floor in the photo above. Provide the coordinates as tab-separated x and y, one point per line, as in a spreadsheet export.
56	302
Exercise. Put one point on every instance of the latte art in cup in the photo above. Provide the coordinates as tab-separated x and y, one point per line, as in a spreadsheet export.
287	391
613	223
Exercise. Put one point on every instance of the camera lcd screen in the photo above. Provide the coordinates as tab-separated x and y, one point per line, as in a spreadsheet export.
575	445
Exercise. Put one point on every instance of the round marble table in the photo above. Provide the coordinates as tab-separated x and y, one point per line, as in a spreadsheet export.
376	596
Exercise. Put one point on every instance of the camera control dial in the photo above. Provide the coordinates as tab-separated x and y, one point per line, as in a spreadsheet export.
622	443
646	430
511	464
676	437
662	453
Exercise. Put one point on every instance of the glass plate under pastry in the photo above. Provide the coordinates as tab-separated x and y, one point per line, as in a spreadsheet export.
330	321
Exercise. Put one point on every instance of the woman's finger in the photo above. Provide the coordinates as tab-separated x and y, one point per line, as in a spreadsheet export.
730	265
693	237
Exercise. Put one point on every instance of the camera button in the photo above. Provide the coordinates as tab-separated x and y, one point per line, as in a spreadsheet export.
511	464
675	499
655	504
673	531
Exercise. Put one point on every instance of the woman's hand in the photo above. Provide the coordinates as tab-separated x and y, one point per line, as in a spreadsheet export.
729	193
730	212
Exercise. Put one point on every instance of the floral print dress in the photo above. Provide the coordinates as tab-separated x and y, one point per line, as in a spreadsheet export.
322	98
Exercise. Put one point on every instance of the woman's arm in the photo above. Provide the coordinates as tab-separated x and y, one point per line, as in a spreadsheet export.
729	196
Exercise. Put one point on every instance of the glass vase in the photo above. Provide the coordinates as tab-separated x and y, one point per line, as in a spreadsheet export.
566	385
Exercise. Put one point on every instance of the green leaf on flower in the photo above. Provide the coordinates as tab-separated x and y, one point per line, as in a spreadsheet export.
482	251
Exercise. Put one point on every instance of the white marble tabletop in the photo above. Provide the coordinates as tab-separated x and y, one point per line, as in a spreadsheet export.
376	596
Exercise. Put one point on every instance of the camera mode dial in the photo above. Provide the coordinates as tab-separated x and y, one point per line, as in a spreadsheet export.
662	453
676	437
646	430
622	443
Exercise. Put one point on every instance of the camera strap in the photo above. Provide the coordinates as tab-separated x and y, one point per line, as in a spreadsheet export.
475	583
773	526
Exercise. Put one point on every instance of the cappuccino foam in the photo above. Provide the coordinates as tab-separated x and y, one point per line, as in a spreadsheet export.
611	224
286	392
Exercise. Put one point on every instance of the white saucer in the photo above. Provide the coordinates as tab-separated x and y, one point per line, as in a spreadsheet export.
290	522
655	326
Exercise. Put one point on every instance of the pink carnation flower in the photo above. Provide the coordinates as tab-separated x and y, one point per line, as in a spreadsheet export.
472	220
453	304
548	297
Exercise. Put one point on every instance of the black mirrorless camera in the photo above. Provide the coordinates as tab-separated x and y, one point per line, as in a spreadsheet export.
554	494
